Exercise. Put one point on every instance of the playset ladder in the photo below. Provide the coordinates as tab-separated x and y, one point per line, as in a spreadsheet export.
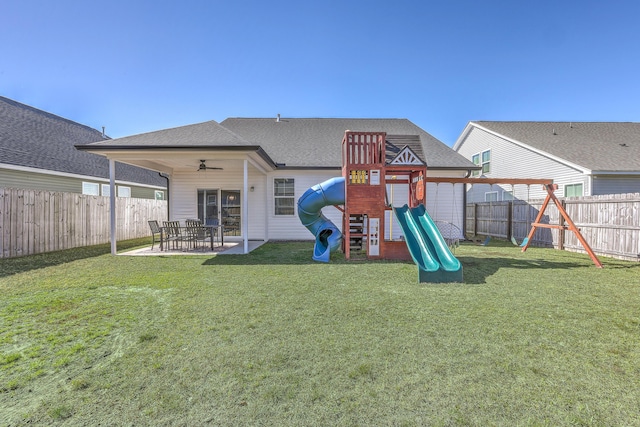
356	231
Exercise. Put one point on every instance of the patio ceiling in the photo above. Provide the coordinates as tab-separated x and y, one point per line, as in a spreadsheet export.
181	161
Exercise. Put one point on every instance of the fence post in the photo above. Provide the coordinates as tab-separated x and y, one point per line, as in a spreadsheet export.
509	220
561	223
475	219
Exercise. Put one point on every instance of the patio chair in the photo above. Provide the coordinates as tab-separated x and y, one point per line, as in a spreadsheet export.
156	232
195	233
215	232
173	233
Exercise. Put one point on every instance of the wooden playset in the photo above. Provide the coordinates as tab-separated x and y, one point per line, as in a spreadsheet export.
366	172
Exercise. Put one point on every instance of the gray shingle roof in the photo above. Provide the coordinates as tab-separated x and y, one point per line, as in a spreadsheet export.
204	134
34	138
316	142
598	146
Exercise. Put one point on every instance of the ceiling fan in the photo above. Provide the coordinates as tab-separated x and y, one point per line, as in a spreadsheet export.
203	166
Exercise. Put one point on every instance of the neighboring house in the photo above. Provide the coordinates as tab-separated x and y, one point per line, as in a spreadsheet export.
37	151
583	158
256	169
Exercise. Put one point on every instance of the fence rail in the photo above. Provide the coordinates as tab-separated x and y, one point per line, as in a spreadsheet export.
611	223
35	221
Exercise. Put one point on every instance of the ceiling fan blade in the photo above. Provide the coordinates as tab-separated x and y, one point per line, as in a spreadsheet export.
203	166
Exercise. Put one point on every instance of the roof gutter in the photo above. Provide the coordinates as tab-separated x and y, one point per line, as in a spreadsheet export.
254	148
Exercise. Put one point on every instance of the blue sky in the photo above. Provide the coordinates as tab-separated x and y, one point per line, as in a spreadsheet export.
139	66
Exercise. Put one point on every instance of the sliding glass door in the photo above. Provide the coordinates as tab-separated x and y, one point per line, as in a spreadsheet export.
223	207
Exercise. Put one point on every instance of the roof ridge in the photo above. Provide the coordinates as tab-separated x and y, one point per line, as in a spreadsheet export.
44	113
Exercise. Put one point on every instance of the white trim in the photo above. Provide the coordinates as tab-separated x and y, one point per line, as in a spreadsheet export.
112	204
257	166
73	175
530	148
462	136
406	156
245	206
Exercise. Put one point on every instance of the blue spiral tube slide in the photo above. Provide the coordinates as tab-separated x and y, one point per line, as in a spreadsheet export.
310	204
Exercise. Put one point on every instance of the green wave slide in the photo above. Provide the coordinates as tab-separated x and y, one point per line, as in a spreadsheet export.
436	263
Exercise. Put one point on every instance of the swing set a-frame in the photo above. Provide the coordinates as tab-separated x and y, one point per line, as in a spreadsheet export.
550	188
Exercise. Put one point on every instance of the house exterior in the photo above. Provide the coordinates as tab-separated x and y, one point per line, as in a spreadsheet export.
583	158
37	152
249	172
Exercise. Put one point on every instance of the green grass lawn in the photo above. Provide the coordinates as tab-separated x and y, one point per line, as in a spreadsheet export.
541	338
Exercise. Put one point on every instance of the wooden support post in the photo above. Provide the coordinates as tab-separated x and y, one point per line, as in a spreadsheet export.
571	226
575	229
535	223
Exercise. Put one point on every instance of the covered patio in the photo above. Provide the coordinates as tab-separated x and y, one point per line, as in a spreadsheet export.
212	175
228	248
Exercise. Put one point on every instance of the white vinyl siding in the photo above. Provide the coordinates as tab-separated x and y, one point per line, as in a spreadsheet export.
183	197
398	195
445	201
509	160
283	227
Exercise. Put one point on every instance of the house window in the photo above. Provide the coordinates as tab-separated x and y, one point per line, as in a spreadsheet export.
507	195
124	191
283	194
486	161
120	190
476	161
573	190
91	188
491	196
158	195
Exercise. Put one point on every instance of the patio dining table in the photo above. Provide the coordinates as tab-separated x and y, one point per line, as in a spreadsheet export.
185	234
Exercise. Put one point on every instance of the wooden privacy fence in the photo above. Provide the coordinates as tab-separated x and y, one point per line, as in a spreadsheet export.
610	223
34	221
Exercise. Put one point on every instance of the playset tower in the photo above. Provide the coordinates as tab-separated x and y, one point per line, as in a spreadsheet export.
367	171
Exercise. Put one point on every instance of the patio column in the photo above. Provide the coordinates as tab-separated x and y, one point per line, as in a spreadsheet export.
245	208
112	204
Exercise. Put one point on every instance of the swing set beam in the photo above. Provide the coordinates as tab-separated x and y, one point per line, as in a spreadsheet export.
512	181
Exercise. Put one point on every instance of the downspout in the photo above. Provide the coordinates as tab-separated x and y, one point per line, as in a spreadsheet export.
165	176
464	206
